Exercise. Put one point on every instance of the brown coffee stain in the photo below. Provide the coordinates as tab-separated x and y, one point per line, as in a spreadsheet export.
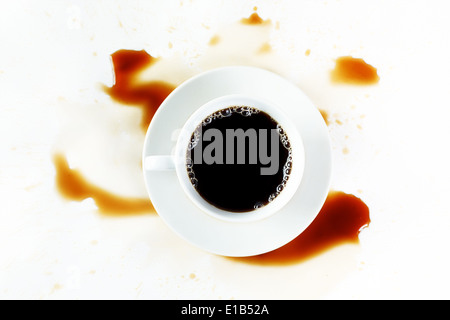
355	71
340	221
255	19
127	89
265	48
73	186
214	40
325	116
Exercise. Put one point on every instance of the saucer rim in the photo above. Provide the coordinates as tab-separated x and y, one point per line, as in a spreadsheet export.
244	245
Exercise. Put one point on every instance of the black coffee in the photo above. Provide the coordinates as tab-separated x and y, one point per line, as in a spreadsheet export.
239	159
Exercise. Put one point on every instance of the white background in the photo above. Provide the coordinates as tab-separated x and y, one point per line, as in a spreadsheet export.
55	55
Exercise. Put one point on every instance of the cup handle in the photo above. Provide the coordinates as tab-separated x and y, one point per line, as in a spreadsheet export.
159	163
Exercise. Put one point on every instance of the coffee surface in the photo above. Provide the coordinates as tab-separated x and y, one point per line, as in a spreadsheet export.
228	180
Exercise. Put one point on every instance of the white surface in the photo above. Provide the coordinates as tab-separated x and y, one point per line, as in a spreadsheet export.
56	53
243	234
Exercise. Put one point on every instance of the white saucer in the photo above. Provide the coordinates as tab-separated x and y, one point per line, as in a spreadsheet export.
215	235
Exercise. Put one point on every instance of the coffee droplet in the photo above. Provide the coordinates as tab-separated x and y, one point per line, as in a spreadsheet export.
255	19
349	70
325	116
214	40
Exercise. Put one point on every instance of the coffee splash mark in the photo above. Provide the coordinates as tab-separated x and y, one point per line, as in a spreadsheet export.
325	116
255	19
128	90
354	71
73	186
340	221
214	40
265	48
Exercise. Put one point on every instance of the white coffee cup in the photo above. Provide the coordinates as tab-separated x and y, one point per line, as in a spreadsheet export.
177	160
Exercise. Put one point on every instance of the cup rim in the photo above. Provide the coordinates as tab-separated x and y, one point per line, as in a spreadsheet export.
298	157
